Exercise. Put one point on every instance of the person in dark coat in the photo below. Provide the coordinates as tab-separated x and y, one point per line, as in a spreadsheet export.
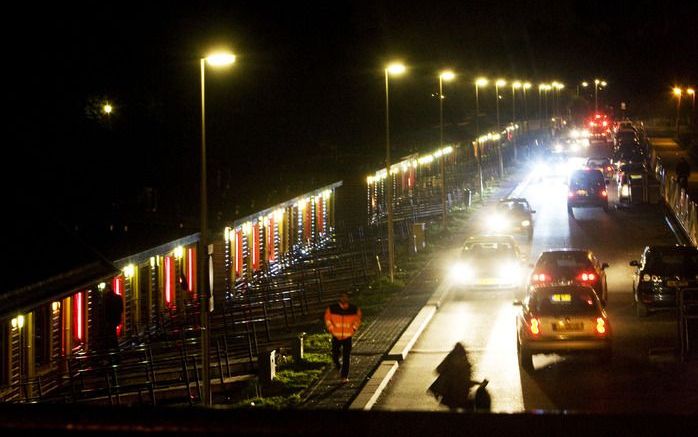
113	310
453	384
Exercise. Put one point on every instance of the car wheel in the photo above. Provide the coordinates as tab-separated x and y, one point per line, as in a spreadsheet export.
526	359
641	309
570	212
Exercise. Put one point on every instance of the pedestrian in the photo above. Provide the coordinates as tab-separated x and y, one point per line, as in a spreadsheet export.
342	320
683	171
452	386
113	310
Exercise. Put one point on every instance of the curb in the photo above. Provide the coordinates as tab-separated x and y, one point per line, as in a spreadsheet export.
374	387
408	338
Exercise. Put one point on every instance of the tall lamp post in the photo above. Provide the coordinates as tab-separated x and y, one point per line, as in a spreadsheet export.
583	84
691	92
479	82
214	60
514	86
447	76
497	84
677	92
392	69
526	86
597	82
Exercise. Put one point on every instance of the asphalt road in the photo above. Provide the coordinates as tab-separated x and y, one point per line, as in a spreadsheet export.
644	375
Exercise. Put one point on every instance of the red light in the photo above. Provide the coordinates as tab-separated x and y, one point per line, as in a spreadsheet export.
600	326
588	277
604	193
534	326
540	277
592	124
168	280
604	123
190	273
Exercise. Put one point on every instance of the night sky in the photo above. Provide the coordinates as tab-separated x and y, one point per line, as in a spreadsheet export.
304	103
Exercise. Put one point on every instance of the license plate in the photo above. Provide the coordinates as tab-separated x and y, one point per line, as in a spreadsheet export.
672	283
487	281
581	193
564	327
635	176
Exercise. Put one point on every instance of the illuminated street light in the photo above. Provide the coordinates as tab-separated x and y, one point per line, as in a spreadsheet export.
677	92
691	92
497	84
107	108
596	93
526	86
214	60
514	86
394	69
479	82
446	75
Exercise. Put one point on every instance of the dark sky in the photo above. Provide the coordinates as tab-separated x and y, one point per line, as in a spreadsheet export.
306	93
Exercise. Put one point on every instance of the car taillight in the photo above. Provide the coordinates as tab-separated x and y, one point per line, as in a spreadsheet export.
587	277
534	326
540	277
604	193
609	168
601	326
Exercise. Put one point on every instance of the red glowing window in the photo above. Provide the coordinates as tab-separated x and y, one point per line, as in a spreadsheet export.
191	268
255	246
238	252
79	316
169	279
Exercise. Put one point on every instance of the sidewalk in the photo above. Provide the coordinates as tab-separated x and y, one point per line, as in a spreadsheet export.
670	152
376	339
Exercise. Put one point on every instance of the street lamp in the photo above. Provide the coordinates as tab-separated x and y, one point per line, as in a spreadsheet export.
584	84
447	76
107	108
214	60
597	82
557	86
691	92
479	82
497	84
394	69
677	93
514	86
526	86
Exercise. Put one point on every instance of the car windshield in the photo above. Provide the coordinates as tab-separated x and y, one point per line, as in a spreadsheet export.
671	264
564	303
559	261
586	180
519	208
497	249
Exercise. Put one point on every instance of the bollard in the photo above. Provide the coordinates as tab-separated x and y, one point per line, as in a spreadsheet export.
267	366
419	236
467	197
297	351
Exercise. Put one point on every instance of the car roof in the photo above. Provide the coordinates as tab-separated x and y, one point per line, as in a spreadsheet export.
586	172
677	248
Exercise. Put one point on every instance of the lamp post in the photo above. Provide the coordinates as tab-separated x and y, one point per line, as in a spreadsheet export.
583	84
447	76
677	92
514	86
526	86
497	84
597	82
479	82
691	92
541	87
214	60
557	113
392	69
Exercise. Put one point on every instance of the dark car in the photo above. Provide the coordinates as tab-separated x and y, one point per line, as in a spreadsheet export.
570	267
626	137
628	174
587	188
602	164
561	320
660	271
488	262
514	215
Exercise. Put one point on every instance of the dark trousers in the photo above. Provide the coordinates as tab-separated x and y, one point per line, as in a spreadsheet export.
345	345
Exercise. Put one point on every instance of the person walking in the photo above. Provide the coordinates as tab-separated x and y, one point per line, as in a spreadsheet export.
113	310
342	320
452	386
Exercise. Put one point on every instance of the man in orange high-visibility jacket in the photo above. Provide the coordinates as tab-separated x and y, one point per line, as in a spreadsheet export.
342	320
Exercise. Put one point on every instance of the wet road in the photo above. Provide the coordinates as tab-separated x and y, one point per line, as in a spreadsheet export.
644	375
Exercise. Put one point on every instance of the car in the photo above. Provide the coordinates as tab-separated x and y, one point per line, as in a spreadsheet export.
562	320
569	266
626	138
627	173
602	164
488	262
660	272
625	126
512	215
587	188
553	166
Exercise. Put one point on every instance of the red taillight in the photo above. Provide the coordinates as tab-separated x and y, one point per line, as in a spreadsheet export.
604	123
540	277
604	193
534	326
587	277
600	326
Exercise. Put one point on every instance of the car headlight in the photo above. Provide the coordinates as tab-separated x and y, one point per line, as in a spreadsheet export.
461	273
497	223
526	223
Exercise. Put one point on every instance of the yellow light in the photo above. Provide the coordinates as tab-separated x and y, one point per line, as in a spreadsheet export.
677	91
447	150
20	321
101	286
279	214
396	68
447	75
603	83
585	84
481	81
129	271
220	59
55	306
596	81
369	180
107	108
246	228
14	323
179	252
690	91
226	233
501	82
527	85
542	86
516	85
327	194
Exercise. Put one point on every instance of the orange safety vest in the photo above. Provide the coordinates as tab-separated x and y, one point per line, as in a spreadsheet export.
342	322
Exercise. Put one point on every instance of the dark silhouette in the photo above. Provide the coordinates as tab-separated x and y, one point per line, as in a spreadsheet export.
683	171
113	310
453	384
342	320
